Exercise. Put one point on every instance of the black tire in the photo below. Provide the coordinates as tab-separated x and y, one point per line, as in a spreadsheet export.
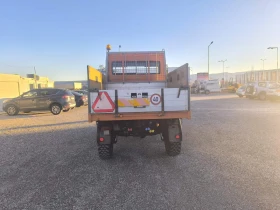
12	110
66	110
105	151
56	109
173	148
207	92
240	96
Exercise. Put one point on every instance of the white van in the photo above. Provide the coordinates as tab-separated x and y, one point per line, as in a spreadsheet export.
210	86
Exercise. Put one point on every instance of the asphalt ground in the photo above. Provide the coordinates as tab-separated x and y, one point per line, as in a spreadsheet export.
230	160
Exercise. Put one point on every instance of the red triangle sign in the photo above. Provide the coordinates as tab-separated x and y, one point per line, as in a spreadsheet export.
103	103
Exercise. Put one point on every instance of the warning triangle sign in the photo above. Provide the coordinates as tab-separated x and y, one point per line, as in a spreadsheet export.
103	103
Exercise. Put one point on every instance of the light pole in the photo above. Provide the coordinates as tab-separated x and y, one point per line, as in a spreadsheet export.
271	48
208	59
223	61
227	72
263	62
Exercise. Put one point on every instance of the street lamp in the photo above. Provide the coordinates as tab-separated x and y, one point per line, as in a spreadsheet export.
227	72
263	62
271	48
223	61
208	59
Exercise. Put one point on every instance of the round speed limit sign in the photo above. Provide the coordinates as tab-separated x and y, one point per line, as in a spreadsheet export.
155	99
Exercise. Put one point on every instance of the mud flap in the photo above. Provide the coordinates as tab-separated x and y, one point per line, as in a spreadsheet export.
173	131
104	135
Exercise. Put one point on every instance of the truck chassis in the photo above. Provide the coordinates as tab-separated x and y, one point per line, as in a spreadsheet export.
170	131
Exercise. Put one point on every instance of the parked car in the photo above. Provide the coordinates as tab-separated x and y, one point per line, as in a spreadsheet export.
257	90
83	92
273	93
80	99
55	100
241	91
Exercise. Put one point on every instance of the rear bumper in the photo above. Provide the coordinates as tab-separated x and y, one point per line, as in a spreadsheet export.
240	94
140	116
68	106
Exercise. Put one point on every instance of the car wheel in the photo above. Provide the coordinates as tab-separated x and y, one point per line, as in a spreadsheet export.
55	109
12	110
66	110
207	92
240	96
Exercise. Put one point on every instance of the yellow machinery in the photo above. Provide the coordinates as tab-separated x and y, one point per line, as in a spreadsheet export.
232	86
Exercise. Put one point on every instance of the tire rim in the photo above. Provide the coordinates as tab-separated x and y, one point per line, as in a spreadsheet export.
11	110
56	109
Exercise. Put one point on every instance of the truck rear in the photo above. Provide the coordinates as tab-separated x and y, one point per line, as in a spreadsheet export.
136	97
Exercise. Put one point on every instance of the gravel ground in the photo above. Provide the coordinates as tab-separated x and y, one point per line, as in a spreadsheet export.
230	160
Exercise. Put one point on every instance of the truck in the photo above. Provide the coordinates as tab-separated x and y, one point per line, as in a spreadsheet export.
210	86
136	97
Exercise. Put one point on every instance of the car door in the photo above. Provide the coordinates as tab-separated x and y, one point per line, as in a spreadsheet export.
44	98
28	100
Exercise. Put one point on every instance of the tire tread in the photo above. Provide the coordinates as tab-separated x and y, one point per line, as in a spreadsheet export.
173	148
105	151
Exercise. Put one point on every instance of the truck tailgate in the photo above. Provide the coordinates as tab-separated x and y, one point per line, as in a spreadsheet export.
137	101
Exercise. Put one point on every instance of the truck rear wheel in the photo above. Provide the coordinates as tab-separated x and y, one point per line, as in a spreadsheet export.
172	136
173	148
105	151
105	147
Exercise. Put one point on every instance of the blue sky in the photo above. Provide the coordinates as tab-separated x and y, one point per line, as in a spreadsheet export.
61	37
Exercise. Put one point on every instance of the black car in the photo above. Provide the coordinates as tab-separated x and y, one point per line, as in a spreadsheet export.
80	99
83	92
55	100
